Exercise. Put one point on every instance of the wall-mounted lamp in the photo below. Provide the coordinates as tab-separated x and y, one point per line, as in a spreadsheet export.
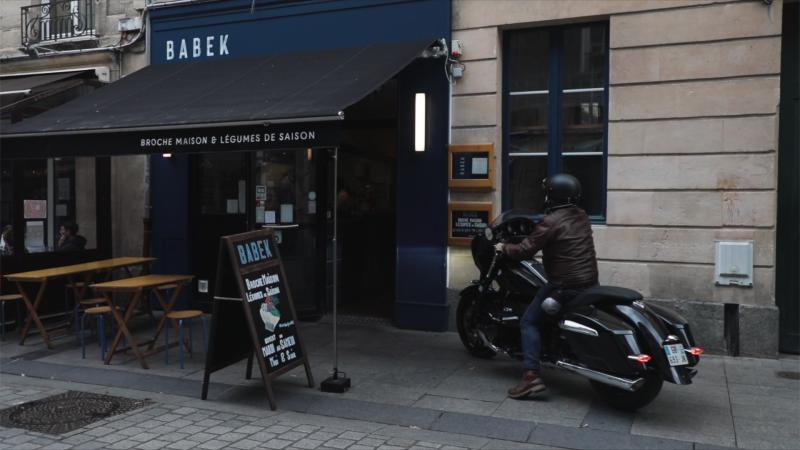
419	122
166	155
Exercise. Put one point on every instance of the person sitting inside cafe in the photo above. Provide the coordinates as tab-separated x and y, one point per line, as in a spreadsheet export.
69	240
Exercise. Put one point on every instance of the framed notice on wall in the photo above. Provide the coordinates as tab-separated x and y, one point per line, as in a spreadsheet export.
471	166
465	220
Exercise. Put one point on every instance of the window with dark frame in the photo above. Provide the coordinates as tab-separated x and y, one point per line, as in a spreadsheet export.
555	99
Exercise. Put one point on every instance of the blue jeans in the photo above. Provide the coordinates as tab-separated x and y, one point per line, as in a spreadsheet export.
529	326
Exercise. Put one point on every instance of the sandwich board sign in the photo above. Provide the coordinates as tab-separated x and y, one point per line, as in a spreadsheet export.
253	313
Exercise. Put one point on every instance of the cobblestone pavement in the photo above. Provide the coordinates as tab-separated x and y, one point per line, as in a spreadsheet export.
169	425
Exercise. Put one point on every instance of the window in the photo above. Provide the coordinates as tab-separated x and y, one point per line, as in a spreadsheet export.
39	196
556	94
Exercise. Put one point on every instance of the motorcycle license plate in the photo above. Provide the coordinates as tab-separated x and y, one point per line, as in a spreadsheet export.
676	355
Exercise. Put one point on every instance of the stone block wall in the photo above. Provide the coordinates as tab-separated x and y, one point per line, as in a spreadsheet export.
692	139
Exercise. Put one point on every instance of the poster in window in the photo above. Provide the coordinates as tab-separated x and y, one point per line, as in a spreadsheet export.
465	220
471	166
34	209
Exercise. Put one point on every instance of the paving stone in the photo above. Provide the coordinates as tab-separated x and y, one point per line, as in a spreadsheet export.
248	429
153	445
322	435
112	438
354	435
512	430
306	428
224	416
400	442
201	437
57	446
339	443
277	444
214	444
231	437
208	423
182	445
184	411
219	429
124	444
293	435
278	429
245	444
262	436
360	447
308	443
141	437
174	437
372	441
191	429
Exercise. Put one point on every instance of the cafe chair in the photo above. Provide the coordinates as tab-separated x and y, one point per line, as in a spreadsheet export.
80	311
99	312
9	298
187	316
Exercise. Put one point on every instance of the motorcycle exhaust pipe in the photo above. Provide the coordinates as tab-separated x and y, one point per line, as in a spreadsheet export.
611	380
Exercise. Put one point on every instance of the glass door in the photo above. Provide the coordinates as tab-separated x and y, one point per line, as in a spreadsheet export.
287	197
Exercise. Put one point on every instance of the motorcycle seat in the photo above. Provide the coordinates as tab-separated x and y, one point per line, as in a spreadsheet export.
605	295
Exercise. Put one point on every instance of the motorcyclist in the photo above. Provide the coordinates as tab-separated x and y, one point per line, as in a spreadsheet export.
564	235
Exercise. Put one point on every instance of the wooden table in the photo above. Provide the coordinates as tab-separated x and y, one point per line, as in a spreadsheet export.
43	276
137	287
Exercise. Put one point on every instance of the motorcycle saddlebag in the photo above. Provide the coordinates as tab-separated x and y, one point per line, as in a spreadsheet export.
600	340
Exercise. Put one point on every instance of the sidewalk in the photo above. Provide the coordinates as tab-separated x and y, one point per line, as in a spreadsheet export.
420	384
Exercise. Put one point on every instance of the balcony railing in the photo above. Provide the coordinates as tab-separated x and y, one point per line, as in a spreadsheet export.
57	20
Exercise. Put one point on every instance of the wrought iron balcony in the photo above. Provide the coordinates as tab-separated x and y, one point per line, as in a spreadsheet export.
57	20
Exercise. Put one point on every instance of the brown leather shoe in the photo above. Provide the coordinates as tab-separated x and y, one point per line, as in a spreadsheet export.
531	383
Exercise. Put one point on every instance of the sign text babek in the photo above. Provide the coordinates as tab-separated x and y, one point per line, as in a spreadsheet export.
268	307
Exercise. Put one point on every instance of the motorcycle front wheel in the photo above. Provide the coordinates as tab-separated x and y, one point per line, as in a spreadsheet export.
467	321
630	401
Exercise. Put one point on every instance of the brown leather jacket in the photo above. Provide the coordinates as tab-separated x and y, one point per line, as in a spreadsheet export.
565	237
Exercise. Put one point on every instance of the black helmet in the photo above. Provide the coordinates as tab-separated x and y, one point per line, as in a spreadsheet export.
561	190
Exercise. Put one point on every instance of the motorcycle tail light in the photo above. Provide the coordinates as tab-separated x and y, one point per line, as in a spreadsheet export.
695	351
643	359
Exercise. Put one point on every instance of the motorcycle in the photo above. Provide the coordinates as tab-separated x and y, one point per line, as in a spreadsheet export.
625	347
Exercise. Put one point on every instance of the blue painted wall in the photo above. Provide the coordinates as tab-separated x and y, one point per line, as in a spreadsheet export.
281	26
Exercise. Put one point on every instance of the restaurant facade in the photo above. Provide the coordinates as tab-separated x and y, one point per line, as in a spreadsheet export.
248	111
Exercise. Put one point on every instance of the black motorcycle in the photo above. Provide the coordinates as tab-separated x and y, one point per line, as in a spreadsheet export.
624	346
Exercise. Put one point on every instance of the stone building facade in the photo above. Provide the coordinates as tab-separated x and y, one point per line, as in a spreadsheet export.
113	54
692	135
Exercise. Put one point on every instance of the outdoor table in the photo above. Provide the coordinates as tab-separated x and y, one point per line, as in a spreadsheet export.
137	287
43	276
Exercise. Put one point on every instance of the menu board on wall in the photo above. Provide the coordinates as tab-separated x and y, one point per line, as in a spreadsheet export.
254	266
465	220
471	166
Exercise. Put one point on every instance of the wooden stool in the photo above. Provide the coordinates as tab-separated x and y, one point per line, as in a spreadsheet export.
99	312
3	300
181	316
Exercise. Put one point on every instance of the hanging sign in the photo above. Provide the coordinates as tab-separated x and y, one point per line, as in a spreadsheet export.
471	166
267	311
465	220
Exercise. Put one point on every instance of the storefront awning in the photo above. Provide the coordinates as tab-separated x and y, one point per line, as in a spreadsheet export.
284	100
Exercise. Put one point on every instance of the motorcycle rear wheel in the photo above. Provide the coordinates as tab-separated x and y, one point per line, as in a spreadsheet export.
468	328
630	401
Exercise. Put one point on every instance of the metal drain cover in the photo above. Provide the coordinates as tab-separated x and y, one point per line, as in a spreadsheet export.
65	412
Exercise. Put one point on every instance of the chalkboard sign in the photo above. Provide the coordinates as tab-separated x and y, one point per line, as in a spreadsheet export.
466	220
266	323
471	166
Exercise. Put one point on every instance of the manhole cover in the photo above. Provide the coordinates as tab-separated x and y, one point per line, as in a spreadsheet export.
789	375
65	412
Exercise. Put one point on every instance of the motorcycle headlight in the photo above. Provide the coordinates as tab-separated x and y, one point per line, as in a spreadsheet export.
488	233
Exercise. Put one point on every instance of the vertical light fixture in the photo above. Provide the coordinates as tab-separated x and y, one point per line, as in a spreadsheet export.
419	122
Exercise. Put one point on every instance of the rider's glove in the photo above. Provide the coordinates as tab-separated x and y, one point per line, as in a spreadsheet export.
499	247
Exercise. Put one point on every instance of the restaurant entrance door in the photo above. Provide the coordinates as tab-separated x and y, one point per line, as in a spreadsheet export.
218	207
233	192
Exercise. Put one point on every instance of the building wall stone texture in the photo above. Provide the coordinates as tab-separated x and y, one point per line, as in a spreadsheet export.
692	139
